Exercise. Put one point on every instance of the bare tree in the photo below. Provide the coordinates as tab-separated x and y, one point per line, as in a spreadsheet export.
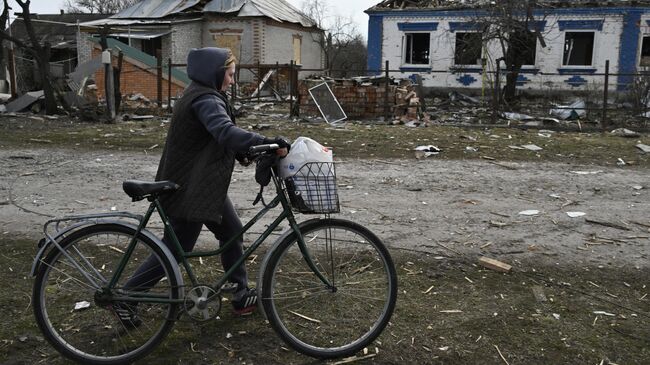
98	6
512	25
40	52
339	37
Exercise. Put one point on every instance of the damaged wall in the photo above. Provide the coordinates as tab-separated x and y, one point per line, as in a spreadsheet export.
359	101
590	35
137	77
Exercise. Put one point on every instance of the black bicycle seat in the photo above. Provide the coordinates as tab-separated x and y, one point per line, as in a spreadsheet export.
139	190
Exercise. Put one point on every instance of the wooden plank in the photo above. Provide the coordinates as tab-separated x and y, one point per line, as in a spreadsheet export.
494	264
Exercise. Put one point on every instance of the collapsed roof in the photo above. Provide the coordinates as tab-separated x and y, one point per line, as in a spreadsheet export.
468	4
151	11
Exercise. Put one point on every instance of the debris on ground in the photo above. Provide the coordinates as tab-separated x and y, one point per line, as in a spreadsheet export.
624	132
532	147
643	147
426	151
494	264
573	111
25	101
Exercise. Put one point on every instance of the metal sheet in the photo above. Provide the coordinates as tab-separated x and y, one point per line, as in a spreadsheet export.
140	35
327	104
25	101
155	8
224	6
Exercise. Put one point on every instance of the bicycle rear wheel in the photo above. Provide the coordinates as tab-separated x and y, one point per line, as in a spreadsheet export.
79	320
329	322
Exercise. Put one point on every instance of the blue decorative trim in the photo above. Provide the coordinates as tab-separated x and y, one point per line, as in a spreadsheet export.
415	68
581	25
415	27
464	26
629	48
522	80
467	80
576	71
375	30
478	13
466	70
576	81
530	71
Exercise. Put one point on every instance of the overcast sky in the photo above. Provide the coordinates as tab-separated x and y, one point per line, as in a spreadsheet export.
346	8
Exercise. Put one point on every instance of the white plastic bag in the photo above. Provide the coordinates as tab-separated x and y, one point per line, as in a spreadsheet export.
303	150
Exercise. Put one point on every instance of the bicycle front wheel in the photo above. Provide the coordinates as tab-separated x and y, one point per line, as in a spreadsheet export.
329	321
81	319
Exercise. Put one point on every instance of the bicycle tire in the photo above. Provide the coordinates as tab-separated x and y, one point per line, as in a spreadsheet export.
320	322
95	335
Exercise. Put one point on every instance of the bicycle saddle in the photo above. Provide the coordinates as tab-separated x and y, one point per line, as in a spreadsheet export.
139	190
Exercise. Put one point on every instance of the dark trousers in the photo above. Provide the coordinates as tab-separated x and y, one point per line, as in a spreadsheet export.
150	272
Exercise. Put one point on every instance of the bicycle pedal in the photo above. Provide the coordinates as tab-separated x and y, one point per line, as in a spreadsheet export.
229	287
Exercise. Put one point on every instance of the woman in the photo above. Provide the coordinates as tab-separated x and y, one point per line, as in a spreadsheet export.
202	145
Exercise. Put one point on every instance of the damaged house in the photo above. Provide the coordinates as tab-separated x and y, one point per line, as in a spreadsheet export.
60	31
443	42
263	32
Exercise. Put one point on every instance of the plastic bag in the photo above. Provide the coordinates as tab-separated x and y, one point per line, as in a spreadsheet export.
303	150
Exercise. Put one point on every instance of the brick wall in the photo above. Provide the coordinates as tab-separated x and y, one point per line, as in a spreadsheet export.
136	78
358	101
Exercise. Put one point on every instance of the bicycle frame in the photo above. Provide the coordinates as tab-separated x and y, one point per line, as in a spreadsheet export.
183	256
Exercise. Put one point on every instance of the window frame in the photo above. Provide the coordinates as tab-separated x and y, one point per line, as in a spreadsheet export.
481	53
593	49
405	48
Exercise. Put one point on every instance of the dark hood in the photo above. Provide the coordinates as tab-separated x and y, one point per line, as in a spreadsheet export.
206	66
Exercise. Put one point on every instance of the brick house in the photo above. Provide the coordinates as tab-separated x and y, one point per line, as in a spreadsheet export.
431	39
258	31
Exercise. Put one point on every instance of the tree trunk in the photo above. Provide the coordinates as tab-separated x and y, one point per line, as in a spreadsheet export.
42	59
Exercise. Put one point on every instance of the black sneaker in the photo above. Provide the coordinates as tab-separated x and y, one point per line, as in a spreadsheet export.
245	301
127	314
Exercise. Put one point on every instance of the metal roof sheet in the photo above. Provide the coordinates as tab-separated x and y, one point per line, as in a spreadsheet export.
156	8
146	11
468	4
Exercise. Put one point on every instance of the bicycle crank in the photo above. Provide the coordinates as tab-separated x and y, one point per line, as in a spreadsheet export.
202	303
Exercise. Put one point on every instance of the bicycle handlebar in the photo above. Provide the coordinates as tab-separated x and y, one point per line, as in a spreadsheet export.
262	149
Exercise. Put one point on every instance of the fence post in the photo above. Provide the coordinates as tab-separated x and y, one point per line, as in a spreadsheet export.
497	92
169	85
233	91
259	81
159	76
604	123
291	90
387	89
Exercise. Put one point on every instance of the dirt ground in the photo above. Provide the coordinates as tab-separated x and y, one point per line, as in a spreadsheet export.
437	216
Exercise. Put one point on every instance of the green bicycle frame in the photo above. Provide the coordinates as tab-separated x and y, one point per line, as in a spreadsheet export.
183	256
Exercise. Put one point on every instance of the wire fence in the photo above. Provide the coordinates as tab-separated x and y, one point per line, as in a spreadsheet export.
605	99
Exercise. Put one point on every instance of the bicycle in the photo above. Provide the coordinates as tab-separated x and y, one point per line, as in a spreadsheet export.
328	286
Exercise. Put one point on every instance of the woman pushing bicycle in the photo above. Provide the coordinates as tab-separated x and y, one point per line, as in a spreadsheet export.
199	155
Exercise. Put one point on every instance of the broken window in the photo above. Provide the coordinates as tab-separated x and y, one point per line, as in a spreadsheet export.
645	51
417	48
468	49
578	48
297	49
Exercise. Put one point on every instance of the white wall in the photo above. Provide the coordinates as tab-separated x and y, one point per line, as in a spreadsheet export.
548	59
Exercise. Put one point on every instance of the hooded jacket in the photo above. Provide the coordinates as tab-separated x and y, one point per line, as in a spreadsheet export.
202	142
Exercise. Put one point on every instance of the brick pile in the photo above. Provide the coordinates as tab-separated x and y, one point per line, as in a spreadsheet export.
358	100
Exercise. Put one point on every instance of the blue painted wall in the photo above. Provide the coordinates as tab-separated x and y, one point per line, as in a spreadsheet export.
375	39
629	50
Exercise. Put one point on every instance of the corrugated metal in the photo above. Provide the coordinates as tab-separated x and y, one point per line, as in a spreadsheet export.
278	10
142	12
224	6
155	8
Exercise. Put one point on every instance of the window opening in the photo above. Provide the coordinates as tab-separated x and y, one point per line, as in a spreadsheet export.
578	49
468	49
417	48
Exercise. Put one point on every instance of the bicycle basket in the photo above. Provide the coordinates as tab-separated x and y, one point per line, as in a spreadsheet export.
313	188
